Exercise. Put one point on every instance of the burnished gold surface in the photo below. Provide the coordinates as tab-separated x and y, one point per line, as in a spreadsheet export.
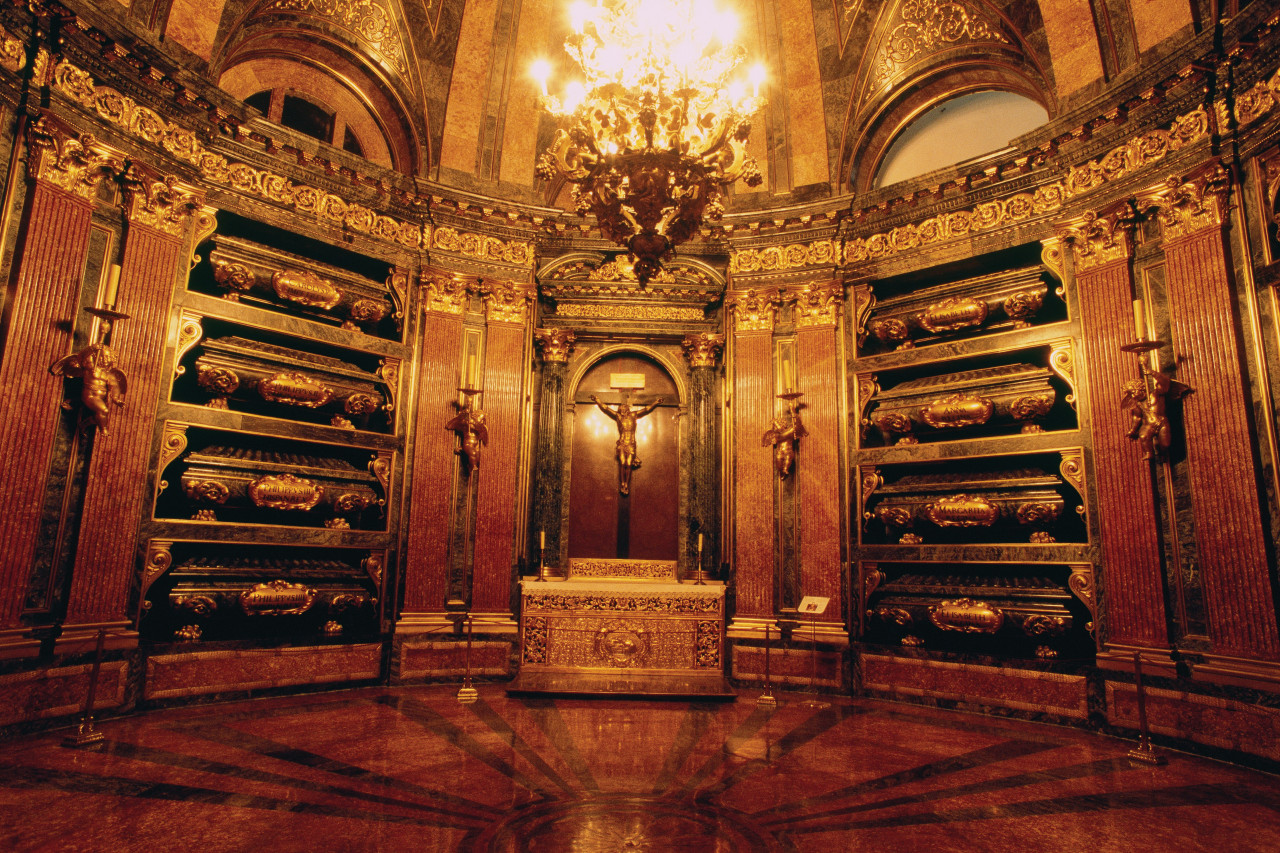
754	309
621	569
962	511
1098	239
277	598
967	616
285	491
1187	205
294	389
819	253
816	304
702	349
957	410
190	331
625	451
958	312
373	22
68	160
160	202
444	293
306	288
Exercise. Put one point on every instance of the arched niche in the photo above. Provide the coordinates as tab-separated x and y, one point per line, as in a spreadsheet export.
603	523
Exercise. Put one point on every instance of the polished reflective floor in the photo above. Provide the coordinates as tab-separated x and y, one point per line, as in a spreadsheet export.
411	769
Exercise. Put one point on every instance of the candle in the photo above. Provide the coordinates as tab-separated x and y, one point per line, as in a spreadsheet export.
542	540
699	543
471	371
1139	319
113	286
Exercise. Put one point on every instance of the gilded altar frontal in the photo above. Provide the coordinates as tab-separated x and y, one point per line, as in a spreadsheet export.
583	425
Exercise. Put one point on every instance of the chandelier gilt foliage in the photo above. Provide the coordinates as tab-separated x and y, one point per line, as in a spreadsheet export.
657	126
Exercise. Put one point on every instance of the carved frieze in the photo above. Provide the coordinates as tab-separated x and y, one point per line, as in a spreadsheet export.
820	253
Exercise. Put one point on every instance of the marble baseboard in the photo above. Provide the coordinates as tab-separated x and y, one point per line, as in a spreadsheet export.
448	659
794	667
1208	720
201	673
60	692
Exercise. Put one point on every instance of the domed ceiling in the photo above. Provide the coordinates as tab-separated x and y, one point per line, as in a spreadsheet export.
440	88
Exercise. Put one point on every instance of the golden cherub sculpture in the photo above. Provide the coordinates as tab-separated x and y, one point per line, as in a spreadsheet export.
469	424
786	431
103	384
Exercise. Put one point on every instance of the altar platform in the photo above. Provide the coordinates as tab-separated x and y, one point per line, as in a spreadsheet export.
622	627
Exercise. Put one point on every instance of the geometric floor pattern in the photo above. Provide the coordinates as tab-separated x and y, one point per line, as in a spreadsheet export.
407	769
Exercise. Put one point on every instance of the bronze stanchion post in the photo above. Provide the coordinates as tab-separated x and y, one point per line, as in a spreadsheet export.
1144	751
766	698
85	735
815	702
468	694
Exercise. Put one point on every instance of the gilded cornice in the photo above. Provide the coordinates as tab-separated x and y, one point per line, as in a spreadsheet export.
702	349
820	253
1096	239
816	304
67	159
753	309
1138	153
481	247
1186	206
161	202
506	301
555	345
1255	102
630	311
445	293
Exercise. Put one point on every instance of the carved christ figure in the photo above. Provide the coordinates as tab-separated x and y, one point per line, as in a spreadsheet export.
626	418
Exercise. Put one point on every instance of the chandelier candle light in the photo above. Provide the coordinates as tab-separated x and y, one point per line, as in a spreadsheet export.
656	127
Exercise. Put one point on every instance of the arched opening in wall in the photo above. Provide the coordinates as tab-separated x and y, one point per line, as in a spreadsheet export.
604	522
327	97
956	131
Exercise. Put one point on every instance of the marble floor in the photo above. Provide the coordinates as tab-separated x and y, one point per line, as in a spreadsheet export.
405	769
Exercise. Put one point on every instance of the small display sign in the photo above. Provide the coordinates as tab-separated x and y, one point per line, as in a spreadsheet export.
813	605
626	381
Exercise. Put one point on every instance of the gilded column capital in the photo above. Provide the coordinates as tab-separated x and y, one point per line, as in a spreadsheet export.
817	304
1100	238
506	301
554	344
161	202
444	293
702	349
69	160
1188	205
753	309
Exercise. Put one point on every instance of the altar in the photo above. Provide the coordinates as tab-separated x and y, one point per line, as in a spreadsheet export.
622	626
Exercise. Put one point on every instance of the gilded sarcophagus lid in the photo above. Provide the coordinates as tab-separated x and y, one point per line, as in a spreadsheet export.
970	403
280	281
262	378
945	604
906	315
931	504
217	590
235	483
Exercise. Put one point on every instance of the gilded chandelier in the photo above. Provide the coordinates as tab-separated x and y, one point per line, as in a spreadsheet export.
657	126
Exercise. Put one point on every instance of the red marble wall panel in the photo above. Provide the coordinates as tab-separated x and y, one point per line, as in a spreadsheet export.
818	467
117	489
43	304
1006	687
1210	720
427	555
1131	573
449	659
504	369
789	666
753	402
201	673
60	692
1228	519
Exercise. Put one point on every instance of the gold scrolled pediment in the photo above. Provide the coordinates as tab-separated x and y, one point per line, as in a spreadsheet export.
277	598
957	410
295	389
285	491
305	288
966	616
962	511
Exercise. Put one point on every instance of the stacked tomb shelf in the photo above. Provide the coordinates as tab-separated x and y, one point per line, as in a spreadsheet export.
969	462
276	493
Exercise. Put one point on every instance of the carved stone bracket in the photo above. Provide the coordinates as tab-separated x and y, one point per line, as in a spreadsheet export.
1051	256
702	349
158	561
1100	238
1062	362
374	565
1081	584
69	160
555	345
172	442
190	332
864	300
1185	206
1073	471
754	310
161	202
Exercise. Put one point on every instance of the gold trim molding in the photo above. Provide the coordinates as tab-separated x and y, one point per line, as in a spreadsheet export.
481	247
160	202
793	256
1096	239
610	311
445	293
817	304
506	301
754	310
